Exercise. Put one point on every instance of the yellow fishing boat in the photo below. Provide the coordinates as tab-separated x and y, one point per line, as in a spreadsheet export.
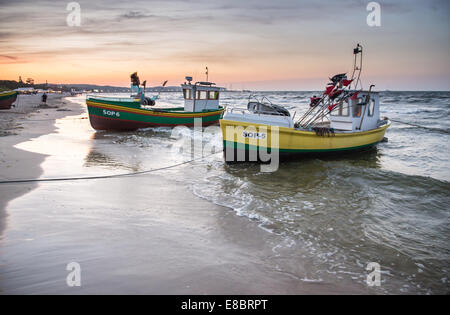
247	136
341	119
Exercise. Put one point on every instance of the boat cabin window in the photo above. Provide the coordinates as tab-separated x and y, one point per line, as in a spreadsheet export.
344	109
201	95
357	108
371	107
341	110
213	95
187	94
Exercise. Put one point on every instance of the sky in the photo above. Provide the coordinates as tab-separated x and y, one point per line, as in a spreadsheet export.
246	44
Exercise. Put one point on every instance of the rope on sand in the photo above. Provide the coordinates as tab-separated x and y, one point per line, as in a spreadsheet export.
423	127
49	119
8	112
40	180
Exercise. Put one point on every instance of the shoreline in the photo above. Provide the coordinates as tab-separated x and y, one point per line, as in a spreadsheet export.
177	244
13	132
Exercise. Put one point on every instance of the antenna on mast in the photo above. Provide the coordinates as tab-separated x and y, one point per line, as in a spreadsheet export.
207	73
358	51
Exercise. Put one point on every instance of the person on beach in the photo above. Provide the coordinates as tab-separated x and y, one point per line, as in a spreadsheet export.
44	98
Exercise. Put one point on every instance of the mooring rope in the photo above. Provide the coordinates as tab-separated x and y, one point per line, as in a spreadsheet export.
423	127
34	180
49	119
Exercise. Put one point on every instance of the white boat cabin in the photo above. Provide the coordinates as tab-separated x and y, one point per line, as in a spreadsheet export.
261	112
201	96
238	114
360	114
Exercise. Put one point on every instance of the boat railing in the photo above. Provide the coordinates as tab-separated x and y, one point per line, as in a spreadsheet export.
264	98
245	110
109	98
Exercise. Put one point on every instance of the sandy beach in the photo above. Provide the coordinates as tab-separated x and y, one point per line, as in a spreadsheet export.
15	128
202	148
166	241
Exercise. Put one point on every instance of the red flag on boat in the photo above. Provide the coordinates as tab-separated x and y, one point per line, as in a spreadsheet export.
314	101
331	107
328	89
335	94
354	97
346	82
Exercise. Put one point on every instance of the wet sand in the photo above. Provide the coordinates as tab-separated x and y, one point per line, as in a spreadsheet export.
135	235
16	126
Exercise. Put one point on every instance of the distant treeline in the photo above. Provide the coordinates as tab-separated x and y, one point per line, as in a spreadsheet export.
11	85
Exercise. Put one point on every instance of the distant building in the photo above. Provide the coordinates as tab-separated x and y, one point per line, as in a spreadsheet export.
28	90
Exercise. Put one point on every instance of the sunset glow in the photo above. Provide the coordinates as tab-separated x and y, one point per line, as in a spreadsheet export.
265	45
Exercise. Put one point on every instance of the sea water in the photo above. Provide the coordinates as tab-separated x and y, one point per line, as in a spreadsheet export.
388	205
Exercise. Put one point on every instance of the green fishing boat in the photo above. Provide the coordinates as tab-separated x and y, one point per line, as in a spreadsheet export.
7	98
110	113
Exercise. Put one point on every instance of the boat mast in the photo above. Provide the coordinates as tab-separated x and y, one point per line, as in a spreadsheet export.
357	52
326	103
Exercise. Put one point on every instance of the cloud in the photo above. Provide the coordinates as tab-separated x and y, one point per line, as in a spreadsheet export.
284	37
5	59
136	14
8	57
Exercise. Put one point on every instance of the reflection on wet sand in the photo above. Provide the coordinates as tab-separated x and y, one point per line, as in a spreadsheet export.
95	158
147	133
17	162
